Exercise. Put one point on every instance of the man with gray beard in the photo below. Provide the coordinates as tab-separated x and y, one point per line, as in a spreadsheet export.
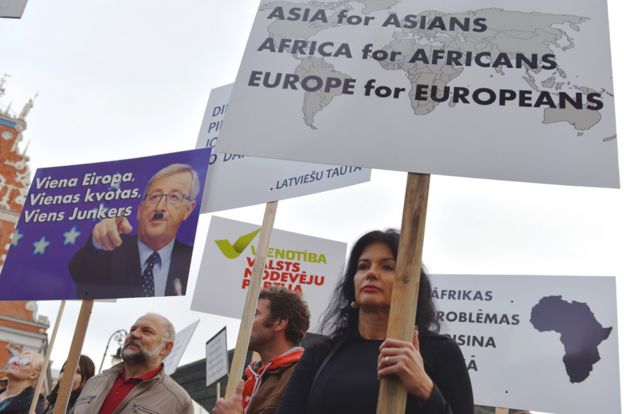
139	383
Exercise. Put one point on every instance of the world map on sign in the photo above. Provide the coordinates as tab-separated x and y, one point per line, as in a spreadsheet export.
469	88
525	45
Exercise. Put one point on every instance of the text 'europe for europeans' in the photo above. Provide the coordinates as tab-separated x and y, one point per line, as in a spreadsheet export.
423	92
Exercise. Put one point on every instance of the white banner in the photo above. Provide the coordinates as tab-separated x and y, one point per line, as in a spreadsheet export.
238	181
304	264
516	91
546	343
12	8
182	340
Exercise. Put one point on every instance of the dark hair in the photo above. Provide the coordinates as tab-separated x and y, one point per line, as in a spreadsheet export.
341	319
285	304
87	370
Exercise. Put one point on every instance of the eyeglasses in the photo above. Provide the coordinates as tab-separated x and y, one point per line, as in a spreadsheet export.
174	198
22	361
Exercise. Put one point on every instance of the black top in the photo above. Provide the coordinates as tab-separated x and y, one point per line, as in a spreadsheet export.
348	382
20	404
54	395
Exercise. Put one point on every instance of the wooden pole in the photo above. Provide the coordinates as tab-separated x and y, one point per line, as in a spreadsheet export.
251	302
218	390
46	362
80	332
392	396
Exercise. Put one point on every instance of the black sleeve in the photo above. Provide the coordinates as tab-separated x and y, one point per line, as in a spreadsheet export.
40	408
452	393
88	268
295	398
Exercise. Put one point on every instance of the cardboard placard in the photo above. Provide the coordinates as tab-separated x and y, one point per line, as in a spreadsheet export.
546	343
238	181
521	91
304	264
216	357
55	255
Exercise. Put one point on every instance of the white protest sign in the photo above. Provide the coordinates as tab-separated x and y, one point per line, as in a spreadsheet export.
216	357
238	181
12	8
546	343
516	91
182	340
307	265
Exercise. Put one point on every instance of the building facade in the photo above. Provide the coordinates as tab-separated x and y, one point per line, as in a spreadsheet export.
21	329
14	173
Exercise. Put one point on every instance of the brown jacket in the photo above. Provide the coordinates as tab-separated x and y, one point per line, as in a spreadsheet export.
274	382
159	395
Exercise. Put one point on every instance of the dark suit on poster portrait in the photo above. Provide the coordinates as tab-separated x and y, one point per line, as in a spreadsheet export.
101	274
114	264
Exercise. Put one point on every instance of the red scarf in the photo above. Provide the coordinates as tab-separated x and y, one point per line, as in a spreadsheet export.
255	372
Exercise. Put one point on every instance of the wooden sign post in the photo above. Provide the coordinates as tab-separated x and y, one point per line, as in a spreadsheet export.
251	301
392	396
46	362
80	332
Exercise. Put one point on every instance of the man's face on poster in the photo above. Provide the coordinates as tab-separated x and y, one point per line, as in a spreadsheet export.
166	204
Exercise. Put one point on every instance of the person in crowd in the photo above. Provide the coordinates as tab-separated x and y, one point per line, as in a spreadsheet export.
342	375
22	374
115	264
139	383
282	319
84	371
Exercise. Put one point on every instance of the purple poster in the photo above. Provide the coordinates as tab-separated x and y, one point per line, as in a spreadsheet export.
115	229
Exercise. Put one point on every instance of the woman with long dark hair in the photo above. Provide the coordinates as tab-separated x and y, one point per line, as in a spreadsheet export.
342	375
84	371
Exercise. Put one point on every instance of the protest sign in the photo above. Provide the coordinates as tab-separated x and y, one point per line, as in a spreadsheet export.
216	357
307	265
238	181
520	91
13	9
546	343
182	340
54	255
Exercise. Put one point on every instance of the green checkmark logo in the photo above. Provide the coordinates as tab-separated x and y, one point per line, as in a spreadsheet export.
232	251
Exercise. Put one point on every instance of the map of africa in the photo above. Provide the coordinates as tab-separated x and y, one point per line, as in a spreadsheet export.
580	333
510	32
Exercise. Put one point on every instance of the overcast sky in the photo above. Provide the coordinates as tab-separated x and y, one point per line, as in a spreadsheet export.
127	79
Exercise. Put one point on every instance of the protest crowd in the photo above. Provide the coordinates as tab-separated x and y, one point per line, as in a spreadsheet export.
326	91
